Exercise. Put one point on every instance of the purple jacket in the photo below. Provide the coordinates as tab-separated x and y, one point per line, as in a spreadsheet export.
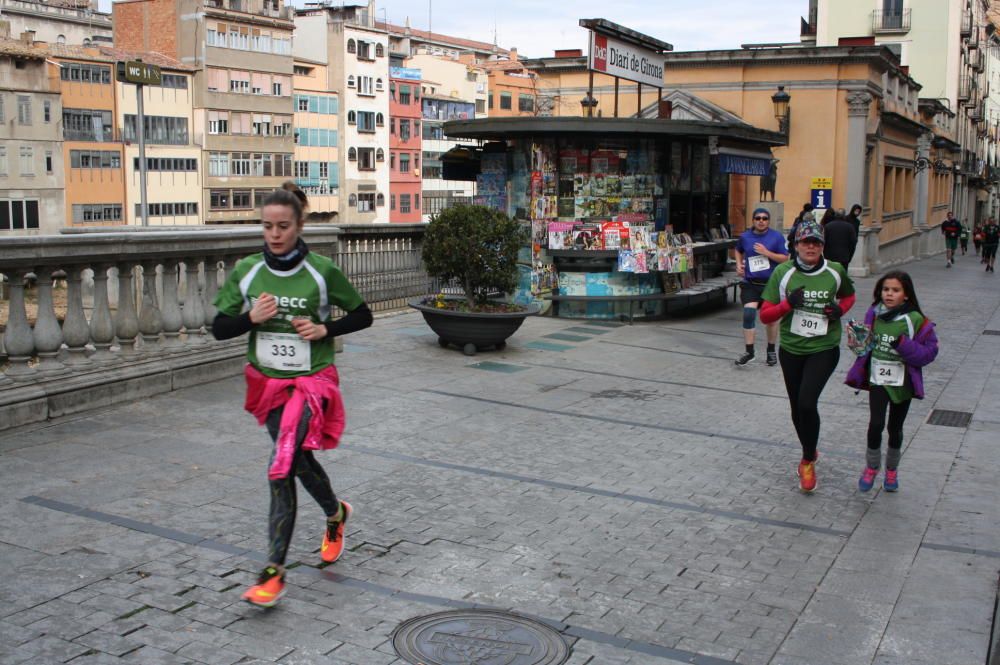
916	352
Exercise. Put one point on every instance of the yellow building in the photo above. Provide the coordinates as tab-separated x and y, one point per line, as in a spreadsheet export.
173	161
316	168
856	119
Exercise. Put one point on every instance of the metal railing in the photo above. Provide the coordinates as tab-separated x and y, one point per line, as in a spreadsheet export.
890	21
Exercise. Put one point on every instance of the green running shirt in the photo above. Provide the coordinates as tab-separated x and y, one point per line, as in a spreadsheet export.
884	333
310	289
822	287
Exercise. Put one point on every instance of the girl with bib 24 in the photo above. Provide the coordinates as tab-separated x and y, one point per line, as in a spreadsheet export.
283	297
901	341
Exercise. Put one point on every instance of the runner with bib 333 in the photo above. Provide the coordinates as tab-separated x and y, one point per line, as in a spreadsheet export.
808	296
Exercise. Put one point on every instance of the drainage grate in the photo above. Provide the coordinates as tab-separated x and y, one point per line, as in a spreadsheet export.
991	332
478	637
949	418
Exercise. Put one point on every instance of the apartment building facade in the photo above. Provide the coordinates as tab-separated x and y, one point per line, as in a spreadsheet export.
31	172
355	54
241	54
451	90
944	45
58	23
317	158
405	141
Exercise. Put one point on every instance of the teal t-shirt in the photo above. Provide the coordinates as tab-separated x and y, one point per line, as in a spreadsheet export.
884	333
806	329
311	289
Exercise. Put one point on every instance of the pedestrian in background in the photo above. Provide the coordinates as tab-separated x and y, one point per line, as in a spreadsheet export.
283	297
977	238
807	209
951	228
963	238
808	296
991	239
902	341
854	217
759	250
840	239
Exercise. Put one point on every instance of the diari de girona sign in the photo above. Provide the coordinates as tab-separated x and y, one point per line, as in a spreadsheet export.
627	61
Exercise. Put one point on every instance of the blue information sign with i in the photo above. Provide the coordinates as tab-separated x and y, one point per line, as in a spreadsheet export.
822	193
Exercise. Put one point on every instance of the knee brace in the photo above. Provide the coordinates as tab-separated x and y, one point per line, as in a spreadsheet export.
749	318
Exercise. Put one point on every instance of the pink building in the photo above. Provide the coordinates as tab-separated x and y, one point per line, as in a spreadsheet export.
404	145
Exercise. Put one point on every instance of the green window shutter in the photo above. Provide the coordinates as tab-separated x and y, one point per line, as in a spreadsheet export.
334	174
314	170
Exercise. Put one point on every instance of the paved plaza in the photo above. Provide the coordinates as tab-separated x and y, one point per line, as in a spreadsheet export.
625	484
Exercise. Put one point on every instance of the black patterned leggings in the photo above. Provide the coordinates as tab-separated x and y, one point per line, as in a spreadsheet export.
805	377
281	520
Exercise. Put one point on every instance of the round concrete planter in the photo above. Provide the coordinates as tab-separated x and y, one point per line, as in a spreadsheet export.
472	331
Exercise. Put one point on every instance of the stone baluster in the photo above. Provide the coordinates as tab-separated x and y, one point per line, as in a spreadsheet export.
102	329
211	288
194	314
75	330
47	333
18	339
126	320
150	318
171	310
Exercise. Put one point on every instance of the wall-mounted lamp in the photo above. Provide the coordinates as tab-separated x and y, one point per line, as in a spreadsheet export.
781	110
588	103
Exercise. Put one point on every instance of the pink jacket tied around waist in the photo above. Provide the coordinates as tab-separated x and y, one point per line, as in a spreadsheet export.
265	394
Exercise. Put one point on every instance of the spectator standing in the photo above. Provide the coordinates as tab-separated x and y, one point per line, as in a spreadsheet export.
991	239
854	217
840	239
951	228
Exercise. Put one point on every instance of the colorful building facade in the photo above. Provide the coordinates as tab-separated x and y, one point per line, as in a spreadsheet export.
405	141
317	165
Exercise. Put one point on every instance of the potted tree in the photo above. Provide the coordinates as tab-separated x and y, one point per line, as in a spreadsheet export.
477	247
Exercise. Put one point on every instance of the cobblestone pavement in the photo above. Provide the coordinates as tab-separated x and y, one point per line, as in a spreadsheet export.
626	484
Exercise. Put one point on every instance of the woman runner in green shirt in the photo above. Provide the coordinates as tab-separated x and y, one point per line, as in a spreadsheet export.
808	295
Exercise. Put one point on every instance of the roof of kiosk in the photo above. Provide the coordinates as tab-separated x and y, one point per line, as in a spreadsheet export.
504	128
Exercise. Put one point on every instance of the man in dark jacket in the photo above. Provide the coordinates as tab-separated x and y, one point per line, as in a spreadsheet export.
841	239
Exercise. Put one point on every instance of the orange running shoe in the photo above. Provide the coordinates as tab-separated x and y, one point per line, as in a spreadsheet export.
269	589
333	539
807	476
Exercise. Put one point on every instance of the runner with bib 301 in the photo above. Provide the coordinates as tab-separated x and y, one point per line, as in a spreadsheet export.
808	295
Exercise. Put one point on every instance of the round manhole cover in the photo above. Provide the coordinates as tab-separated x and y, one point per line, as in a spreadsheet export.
478	637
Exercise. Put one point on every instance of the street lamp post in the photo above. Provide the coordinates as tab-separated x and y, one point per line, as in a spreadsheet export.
781	110
588	103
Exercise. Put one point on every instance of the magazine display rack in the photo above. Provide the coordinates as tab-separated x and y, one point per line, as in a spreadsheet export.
628	218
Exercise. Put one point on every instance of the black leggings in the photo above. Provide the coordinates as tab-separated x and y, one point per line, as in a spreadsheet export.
805	377
989	252
281	520
878	400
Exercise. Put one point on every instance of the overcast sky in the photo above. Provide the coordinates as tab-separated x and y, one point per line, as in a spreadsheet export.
537	27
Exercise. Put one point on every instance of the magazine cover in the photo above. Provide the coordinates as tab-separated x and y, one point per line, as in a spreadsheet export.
639	236
640	261
587	236
616	235
560	235
626	261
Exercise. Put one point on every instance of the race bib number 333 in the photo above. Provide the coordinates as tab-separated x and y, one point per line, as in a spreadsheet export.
283	351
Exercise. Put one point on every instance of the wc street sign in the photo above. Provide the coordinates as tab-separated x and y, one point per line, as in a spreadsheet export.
133	71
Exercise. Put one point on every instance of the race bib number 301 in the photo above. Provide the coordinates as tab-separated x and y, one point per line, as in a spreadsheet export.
808	324
283	351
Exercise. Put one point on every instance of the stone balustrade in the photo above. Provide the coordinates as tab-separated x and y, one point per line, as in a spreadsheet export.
149	296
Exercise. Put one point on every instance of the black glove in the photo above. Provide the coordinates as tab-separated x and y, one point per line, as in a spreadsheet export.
833	312
797	297
895	343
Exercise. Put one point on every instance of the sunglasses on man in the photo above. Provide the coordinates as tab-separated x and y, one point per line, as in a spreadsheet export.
761	217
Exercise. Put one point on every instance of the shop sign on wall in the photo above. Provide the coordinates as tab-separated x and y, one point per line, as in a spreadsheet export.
628	61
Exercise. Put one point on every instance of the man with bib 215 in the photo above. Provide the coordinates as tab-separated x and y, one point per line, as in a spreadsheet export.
759	250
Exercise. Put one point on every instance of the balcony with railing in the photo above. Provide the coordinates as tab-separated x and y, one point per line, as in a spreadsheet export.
965	27
892	21
93	316
966	84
